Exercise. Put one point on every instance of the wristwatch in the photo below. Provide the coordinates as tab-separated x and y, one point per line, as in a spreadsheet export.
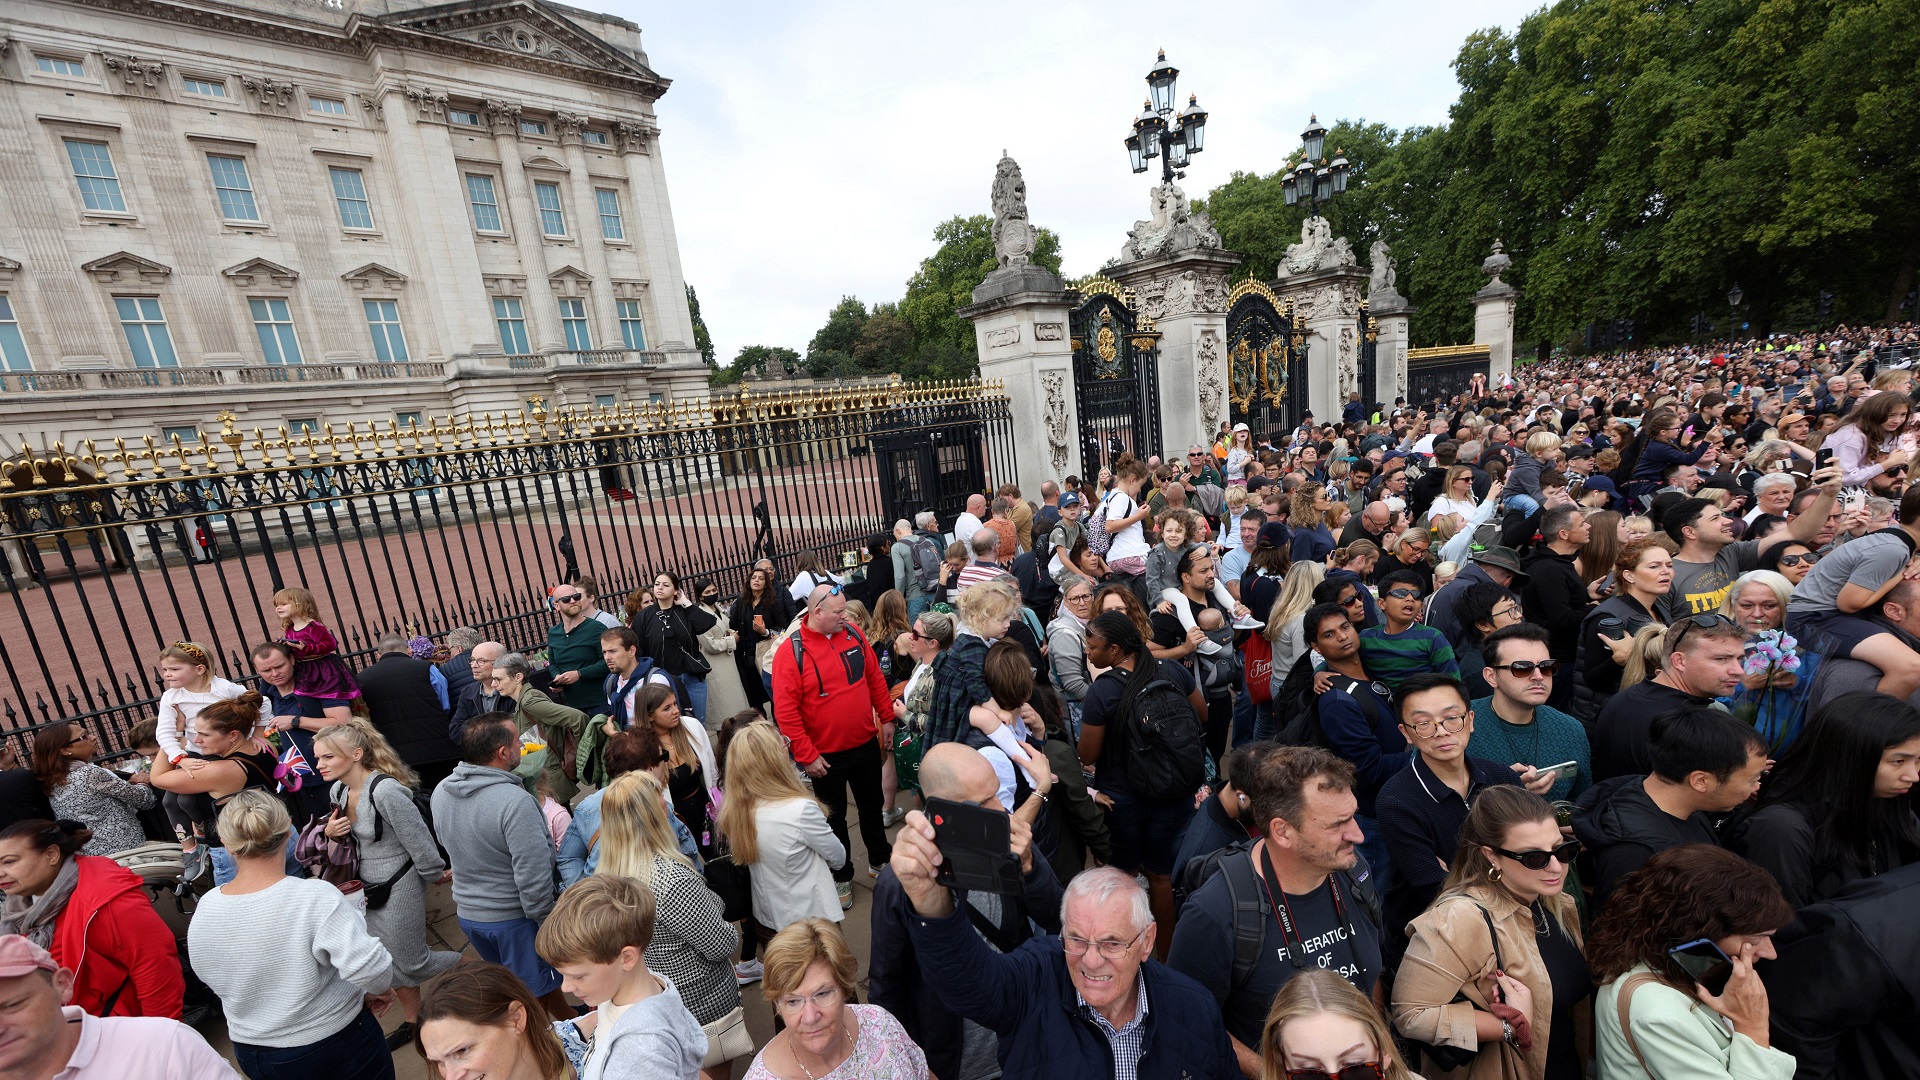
1506	1032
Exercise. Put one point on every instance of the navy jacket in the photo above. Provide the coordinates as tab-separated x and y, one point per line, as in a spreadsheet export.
1028	999
894	980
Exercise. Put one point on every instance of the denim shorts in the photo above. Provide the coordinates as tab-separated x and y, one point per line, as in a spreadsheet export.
1147	833
510	944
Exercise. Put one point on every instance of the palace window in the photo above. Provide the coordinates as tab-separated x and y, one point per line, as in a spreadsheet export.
273	323
463	117
60	65
145	326
512	321
350	195
611	227
573	320
595	138
93	170
13	347
234	187
533	127
486	205
328	106
633	329
553	220
383	320
204	87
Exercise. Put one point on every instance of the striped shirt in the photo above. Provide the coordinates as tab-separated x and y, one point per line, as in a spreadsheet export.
1391	658
1129	1042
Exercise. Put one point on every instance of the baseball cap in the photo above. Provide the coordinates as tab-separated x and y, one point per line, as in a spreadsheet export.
1070	499
1242	427
19	956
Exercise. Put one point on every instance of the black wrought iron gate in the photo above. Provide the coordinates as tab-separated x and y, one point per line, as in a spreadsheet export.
1116	386
1266	385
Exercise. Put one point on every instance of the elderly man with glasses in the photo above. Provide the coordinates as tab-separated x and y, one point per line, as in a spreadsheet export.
573	649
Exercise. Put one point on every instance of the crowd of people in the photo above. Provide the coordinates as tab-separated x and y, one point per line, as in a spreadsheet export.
1564	727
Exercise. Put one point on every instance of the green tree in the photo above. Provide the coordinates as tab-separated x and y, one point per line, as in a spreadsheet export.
830	353
943	345
701	339
750	360
886	342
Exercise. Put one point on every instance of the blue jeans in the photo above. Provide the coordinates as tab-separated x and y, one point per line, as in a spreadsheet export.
1374	848
916	605
697	691
355	1052
1526	504
224	870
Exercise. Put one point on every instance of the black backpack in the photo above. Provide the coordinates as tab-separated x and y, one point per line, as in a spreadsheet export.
1166	749
1298	707
927	557
1038	590
1251	909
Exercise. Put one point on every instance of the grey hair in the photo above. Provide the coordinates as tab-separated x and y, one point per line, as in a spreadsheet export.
390	643
462	639
903	523
926	519
1101	884
513	663
1769	481
984	543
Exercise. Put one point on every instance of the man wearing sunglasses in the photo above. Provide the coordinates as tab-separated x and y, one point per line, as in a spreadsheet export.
1515	725
573	649
1704	661
1704	762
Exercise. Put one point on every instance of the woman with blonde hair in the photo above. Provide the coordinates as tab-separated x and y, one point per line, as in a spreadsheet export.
1283	628
1645	655
372	801
826	1032
1320	1027
1504	936
692	941
779	829
1456	495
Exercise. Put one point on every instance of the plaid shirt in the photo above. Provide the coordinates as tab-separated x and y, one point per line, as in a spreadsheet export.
958	686
1127	1043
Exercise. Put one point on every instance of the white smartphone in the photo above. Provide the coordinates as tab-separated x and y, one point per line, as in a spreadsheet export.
1563	767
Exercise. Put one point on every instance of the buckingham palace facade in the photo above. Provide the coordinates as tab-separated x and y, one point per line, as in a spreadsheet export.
312	213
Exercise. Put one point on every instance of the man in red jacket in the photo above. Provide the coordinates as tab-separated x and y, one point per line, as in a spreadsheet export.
831	702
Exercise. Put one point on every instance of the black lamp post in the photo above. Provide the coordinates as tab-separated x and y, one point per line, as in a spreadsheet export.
1316	183
1734	299
1159	133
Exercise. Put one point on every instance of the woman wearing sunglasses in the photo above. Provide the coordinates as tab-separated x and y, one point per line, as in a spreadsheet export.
1321	1028
1495	965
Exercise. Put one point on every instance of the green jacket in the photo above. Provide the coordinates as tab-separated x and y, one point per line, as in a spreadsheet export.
1679	1038
579	651
556	721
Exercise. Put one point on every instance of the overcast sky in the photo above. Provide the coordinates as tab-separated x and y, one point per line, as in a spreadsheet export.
812	148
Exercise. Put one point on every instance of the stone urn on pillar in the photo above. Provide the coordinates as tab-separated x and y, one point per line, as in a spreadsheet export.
1019	316
1174	263
1493	308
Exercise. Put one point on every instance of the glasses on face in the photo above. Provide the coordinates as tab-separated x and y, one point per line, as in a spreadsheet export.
570	598
1524	668
1511	611
917	635
1351	601
1404	594
1537	860
1712	618
824	999
1365	1070
1807	557
1109	948
1083	598
1427	729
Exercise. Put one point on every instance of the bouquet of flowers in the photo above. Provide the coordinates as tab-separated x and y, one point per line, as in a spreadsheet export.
1771	654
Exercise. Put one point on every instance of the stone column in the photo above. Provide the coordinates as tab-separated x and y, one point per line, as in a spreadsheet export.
1185	294
1326	308
522	214
1493	308
1019	319
1391	311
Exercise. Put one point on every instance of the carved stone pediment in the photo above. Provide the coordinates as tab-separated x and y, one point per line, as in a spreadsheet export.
126	268
630	290
255	273
375	277
8	268
569	281
520	28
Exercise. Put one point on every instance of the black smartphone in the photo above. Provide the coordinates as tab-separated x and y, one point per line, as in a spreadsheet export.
1822	457
975	847
1704	961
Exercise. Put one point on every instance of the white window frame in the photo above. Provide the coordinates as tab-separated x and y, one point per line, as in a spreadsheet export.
49	64
590	137
542	188
117	193
315	101
533	127
13	341
460	117
499	227
220	189
201	86
633	324
146	323
602	197
509	314
386	332
286	340
574	325
340	200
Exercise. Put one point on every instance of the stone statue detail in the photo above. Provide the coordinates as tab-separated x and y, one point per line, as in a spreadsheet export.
1318	249
1173	227
1212	385
1014	237
1056	419
1496	264
1385	274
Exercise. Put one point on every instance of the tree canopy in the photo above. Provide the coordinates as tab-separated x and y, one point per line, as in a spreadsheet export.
1638	160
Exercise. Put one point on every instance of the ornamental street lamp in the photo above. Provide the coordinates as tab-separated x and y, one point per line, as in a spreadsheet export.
1159	133
1734	299
1314	178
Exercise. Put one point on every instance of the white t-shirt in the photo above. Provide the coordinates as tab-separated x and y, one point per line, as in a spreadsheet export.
805	582
1445	505
965	526
179	706
1131	541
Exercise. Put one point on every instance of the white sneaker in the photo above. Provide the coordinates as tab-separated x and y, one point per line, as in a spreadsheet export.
845	889
890	818
1247	622
747	972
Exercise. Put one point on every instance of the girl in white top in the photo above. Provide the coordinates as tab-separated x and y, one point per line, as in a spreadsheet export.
1124	515
1239	454
777	828
187	673
808	574
1458	498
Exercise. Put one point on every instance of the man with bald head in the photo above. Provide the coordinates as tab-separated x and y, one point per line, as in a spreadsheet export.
827	690
1370	523
972	520
957	1047
481	695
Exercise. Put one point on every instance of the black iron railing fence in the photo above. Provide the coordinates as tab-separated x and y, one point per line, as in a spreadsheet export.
108	555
